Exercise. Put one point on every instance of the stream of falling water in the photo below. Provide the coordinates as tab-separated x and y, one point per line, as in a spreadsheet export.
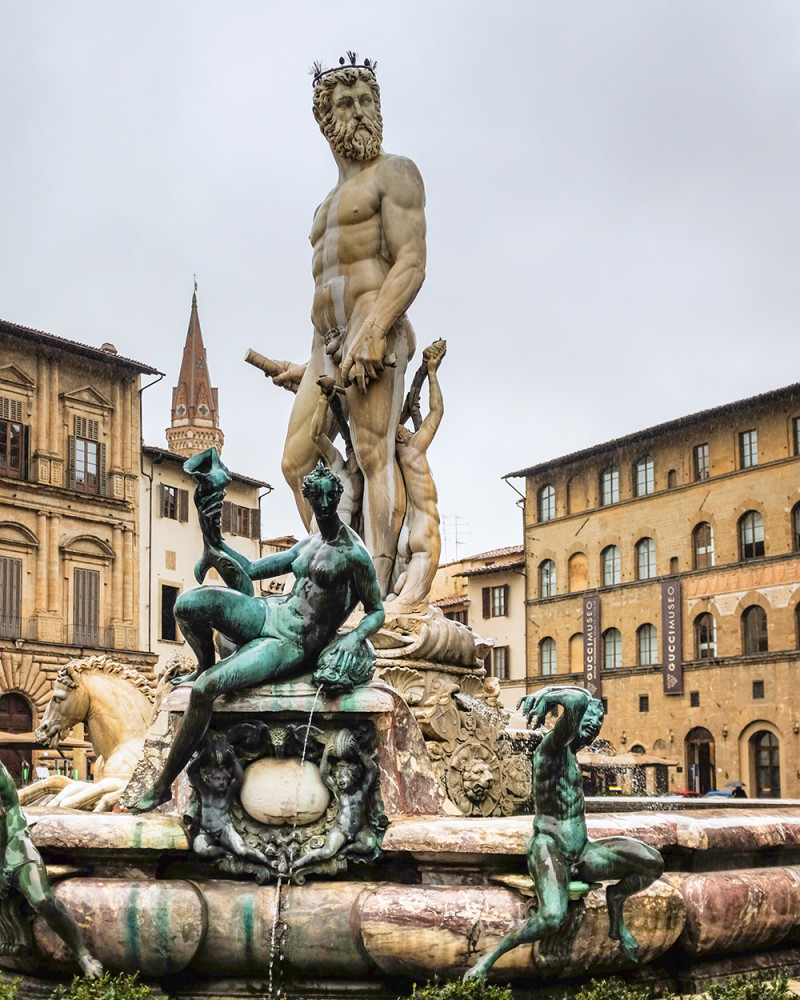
275	918
277	907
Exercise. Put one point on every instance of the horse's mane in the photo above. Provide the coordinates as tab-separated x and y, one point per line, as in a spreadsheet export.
67	675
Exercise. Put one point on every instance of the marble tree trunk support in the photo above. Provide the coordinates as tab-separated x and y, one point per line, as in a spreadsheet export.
369	255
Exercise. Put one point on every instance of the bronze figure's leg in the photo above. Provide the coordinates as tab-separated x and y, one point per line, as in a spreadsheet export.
635	865
550	873
32	882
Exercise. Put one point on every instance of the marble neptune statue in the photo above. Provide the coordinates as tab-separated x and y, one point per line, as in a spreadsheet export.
368	240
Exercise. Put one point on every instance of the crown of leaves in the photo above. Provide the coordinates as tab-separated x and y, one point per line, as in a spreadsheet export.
317	72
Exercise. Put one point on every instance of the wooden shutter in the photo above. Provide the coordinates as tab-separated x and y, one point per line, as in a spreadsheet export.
183	505
227	516
26	453
102	481
10	597
486	593
506	591
255	523
71	462
86	609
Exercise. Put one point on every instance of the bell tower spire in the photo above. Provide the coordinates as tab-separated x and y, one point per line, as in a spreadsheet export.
195	409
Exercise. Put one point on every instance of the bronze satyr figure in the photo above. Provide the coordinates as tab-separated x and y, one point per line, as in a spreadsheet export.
559	850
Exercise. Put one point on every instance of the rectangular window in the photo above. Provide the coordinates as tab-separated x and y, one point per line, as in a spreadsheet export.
644	703
604	703
701	465
694	699
169	627
495	601
461	616
10	597
500	663
238	520
13	441
796	435
86	607
174	503
86	470
609	487
758	689
748	449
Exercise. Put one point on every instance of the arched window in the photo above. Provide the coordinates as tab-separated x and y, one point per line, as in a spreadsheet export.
751	535
647	644
703	545
672	479
578	568
754	630
644	476
547	655
609	486
766	756
705	636
796	527
547	578
612	648
610	565
576	653
546	503
700	760
645	559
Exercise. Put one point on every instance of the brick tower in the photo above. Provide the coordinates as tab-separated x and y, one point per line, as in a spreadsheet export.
195	413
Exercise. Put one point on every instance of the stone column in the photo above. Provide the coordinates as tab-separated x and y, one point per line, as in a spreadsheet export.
117	575
53	430
117	425
127	577
126	430
41	603
42	405
53	574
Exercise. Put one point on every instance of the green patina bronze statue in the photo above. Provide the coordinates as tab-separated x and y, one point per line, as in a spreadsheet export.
559	851
279	636
24	873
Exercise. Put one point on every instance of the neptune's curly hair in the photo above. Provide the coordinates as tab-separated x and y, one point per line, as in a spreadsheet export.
316	477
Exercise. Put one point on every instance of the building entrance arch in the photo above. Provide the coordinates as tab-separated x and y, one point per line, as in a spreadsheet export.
700	761
16	716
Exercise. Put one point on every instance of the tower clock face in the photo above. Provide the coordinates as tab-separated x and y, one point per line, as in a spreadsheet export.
202	409
181	410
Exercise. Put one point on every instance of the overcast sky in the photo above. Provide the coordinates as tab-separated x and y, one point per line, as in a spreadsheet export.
613	208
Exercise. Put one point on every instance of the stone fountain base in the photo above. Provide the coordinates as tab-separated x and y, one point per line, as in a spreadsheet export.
730	900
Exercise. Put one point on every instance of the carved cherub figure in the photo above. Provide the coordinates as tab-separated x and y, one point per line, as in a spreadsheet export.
351	782
216	776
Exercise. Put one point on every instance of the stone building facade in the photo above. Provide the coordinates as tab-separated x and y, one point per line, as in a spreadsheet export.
663	569
487	593
69	513
173	541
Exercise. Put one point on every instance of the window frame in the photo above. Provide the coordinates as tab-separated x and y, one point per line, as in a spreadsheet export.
647	633
644	477
705	649
546	503
748	448
495	604
609	486
548	662
701	462
611	557
614	635
756	543
701	552
547	578
646	547
755	632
